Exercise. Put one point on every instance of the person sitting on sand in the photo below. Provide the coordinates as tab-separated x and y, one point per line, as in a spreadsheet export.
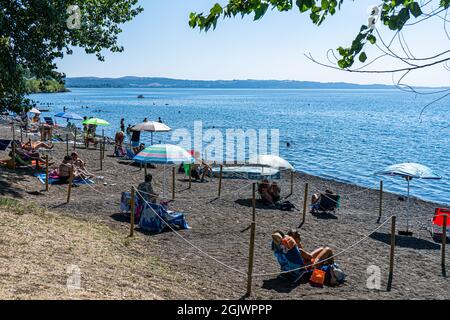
77	161
263	190
200	168
147	192
316	197
138	149
275	192
320	256
65	168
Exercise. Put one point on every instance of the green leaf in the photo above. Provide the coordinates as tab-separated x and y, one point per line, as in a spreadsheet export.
363	57
261	10
415	10
371	38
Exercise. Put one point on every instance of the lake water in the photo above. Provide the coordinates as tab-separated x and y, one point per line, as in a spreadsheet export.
345	135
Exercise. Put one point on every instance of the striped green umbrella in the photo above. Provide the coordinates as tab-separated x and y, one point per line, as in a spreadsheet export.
96	122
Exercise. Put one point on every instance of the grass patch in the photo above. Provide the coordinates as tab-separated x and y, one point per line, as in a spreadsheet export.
16	207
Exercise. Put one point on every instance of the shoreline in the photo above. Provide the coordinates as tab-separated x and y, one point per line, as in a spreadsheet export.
220	228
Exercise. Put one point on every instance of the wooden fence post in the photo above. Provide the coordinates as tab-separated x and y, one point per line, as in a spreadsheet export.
220	180
101	157
190	176
305	202
67	144
46	172
69	189
380	212
391	258
75	140
292	183
173	183
132	211
252	243
444	241
21	134
14	147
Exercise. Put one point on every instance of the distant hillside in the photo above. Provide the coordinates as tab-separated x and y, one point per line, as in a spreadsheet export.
138	82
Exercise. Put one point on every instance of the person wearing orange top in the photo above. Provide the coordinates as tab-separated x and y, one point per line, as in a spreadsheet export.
319	257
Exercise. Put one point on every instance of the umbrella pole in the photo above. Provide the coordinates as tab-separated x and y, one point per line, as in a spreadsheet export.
151	139
164	184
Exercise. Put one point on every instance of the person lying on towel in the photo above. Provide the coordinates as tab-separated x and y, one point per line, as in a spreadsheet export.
35	145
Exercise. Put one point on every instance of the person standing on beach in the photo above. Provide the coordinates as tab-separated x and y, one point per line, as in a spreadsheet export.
159	120
122	125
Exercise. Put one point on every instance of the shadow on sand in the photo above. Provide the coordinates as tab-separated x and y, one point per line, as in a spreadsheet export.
406	242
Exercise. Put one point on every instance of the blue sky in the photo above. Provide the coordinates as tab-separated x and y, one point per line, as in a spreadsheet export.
159	42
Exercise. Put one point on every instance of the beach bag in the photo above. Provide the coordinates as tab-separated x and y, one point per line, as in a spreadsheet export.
339	275
317	278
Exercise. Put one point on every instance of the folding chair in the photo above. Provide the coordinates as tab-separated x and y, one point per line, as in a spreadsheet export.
438	222
327	203
292	260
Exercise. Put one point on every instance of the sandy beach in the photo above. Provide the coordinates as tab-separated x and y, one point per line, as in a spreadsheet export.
220	227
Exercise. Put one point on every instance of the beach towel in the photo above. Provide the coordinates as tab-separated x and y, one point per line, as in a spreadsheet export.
4	144
54	179
151	222
290	261
130	154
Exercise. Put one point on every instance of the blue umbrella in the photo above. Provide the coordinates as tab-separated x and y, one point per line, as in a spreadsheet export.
69	115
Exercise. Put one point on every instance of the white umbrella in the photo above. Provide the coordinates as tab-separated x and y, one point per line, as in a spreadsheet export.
34	110
151	126
410	171
271	161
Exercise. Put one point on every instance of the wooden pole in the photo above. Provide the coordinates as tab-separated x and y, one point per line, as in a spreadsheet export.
69	189
292	183
305	202
391	258
14	147
67	144
190	175
21	135
46	172
444	241
104	144
252	243
220	180
75	140
173	183
380	212
132	212
101	158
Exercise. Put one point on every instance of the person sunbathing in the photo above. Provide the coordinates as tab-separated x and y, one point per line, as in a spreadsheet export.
80	166
320	256
26	155
65	168
36	145
264	192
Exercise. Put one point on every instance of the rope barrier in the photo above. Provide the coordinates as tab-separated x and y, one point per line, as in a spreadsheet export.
189	242
329	258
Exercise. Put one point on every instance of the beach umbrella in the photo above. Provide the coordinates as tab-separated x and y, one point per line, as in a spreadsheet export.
34	110
271	161
164	154
409	171
69	116
96	122
151	126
